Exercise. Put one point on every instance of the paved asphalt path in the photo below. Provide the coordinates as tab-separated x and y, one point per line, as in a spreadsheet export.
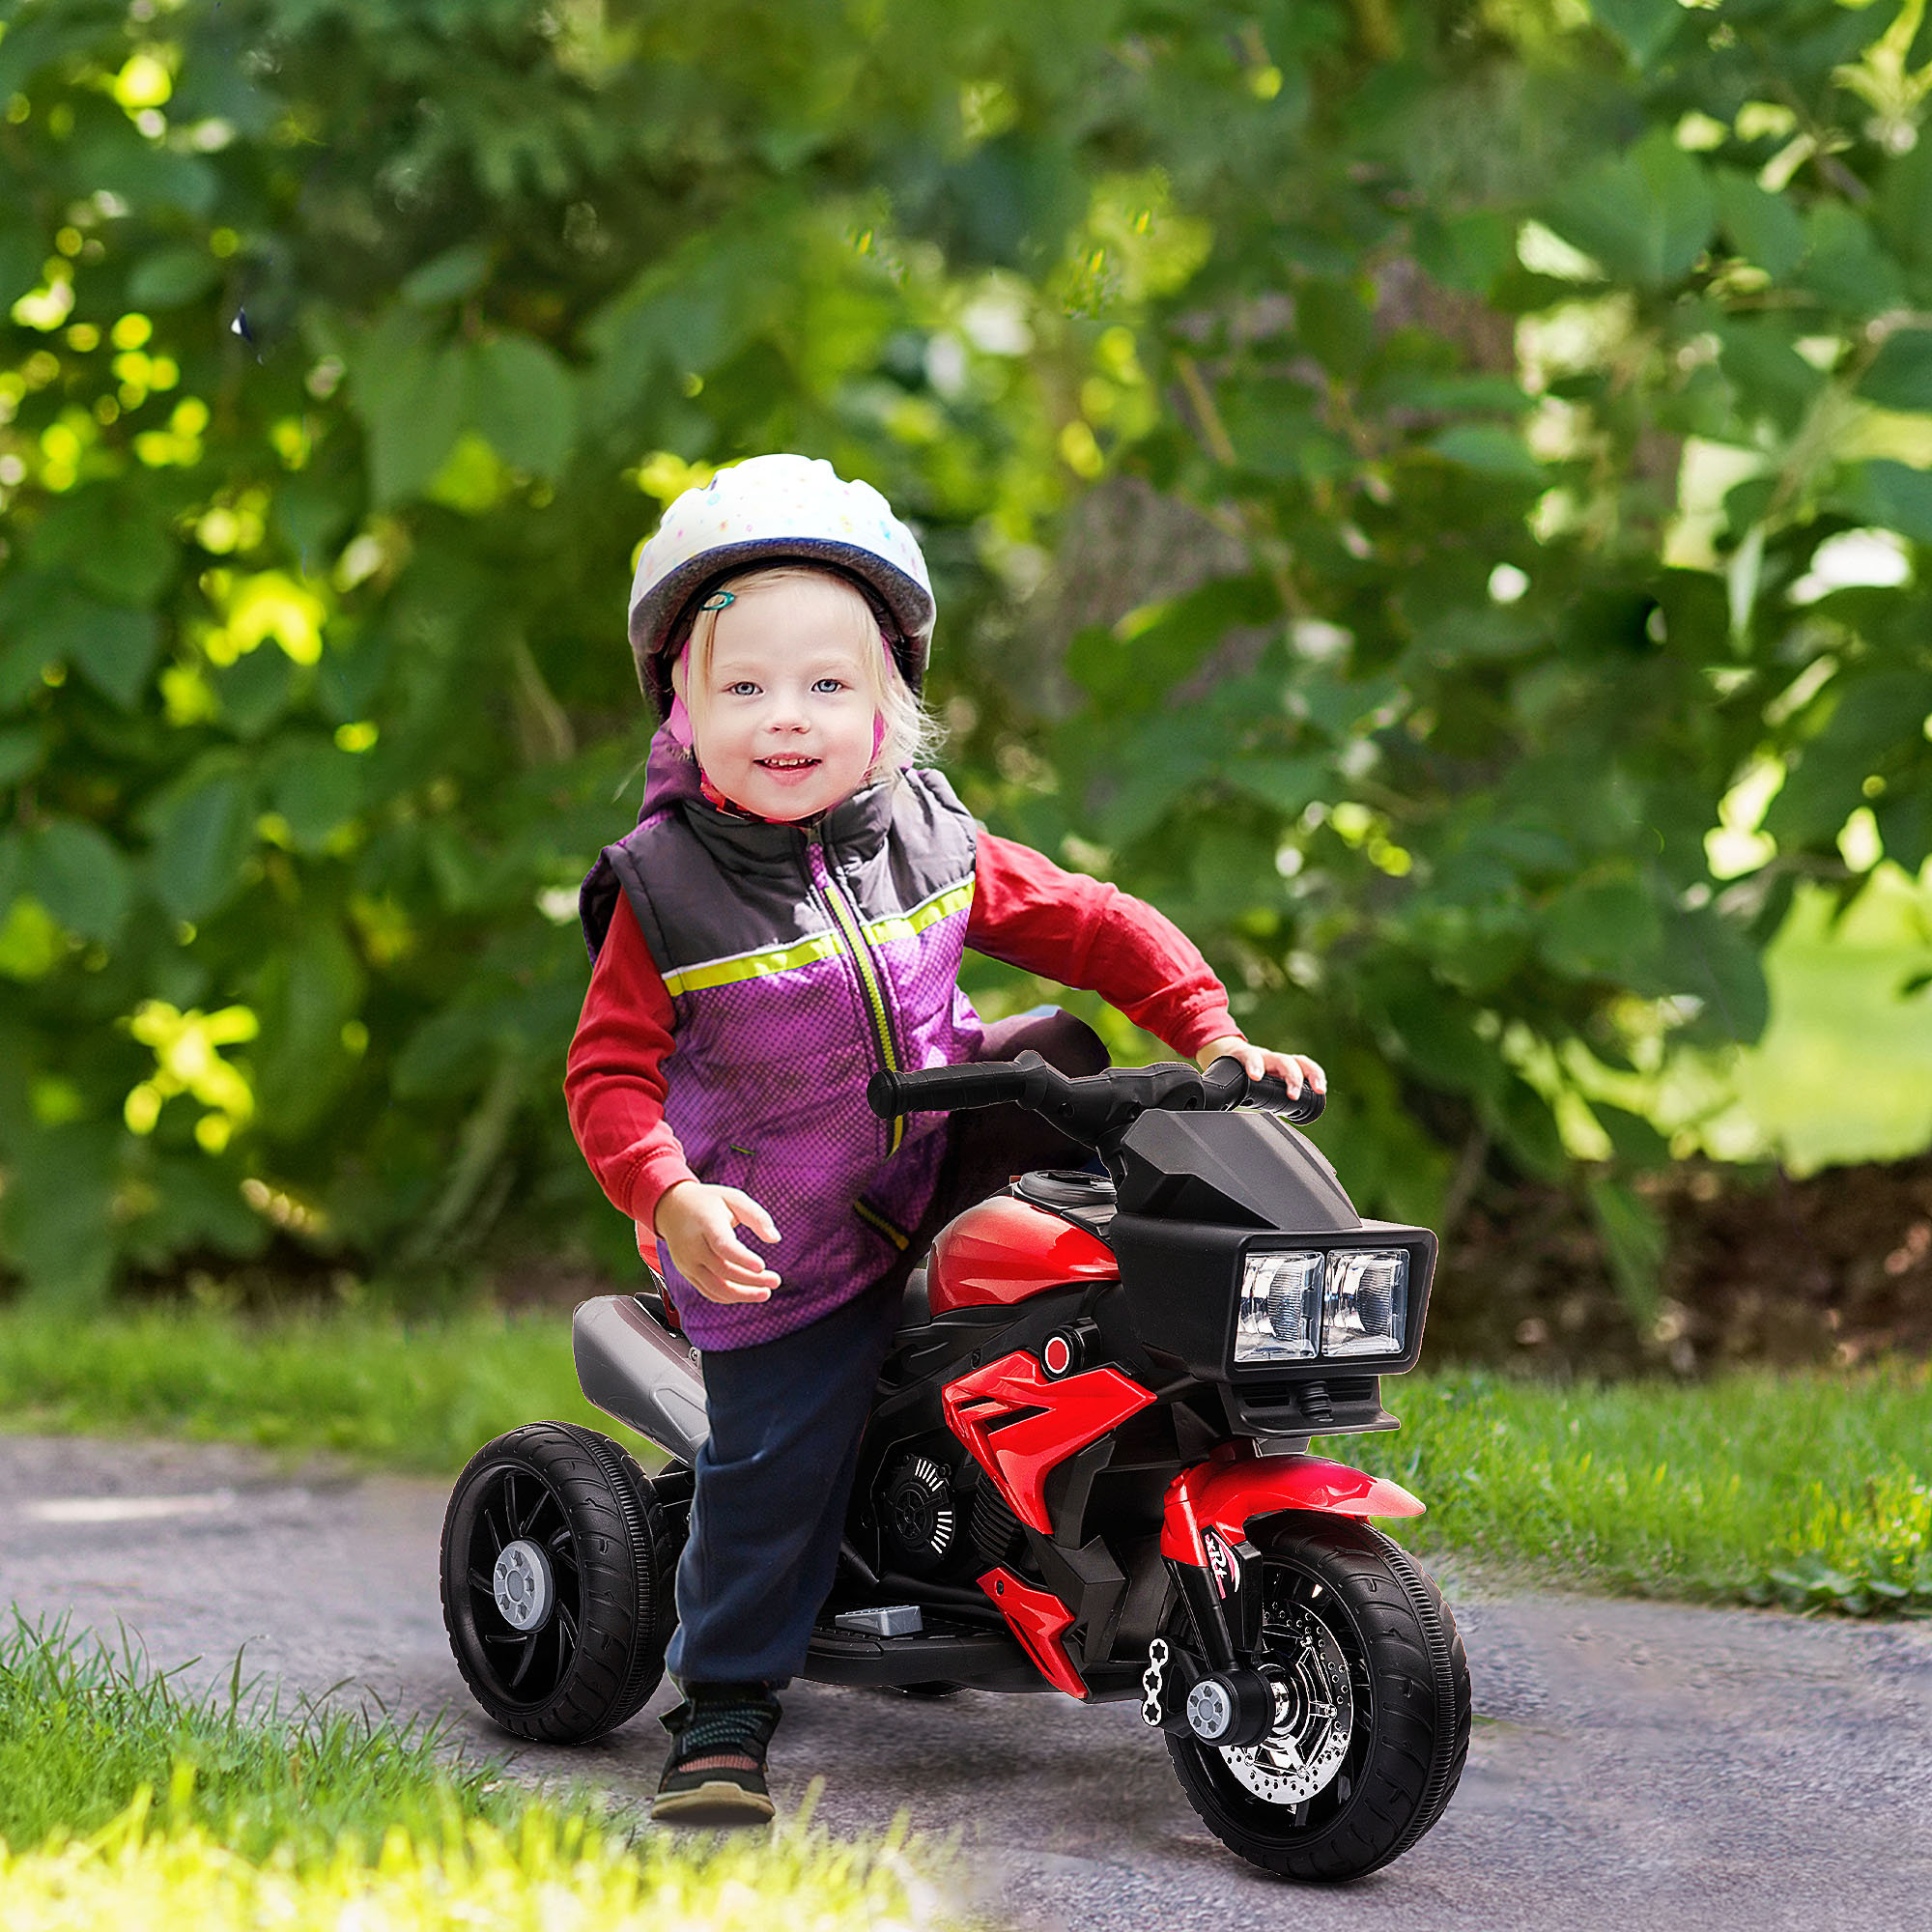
1635	1765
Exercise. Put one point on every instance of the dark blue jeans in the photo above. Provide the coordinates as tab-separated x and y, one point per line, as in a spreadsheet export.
774	1478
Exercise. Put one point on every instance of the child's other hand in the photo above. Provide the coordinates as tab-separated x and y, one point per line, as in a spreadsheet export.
1292	1067
698	1222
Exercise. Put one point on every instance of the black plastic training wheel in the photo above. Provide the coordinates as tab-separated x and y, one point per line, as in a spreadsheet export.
557	1583
1373	1691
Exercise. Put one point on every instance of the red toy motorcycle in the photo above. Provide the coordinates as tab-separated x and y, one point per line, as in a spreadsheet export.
1085	1469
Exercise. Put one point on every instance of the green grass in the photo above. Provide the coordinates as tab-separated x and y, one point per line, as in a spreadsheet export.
124	1802
1809	1490
1813	1489
420	1396
82	1731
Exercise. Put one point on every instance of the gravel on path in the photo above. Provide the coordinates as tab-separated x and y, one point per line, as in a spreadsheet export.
1732	1771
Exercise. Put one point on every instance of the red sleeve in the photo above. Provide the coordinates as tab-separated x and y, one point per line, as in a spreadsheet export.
1088	933
614	1083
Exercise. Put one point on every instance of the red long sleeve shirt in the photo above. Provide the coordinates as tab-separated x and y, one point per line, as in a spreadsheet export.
1025	911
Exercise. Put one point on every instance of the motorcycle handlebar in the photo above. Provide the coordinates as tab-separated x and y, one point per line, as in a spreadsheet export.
1091	1106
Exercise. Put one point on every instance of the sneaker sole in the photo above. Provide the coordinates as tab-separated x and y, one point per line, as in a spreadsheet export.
716	1802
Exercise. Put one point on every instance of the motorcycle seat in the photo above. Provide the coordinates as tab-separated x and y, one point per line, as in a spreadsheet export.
916	1309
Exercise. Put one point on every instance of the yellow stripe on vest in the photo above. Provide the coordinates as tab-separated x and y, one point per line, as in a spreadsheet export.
751	965
821	946
908	924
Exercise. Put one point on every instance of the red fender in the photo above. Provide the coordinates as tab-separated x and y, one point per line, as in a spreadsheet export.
1222	1495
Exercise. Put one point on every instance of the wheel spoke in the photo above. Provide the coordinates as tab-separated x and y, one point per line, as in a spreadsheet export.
536	1510
482	1585
509	1505
524	1663
567	1624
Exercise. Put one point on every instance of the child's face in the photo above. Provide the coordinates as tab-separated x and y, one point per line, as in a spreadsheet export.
785	725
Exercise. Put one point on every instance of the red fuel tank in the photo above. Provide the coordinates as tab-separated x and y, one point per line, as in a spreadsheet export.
1004	1250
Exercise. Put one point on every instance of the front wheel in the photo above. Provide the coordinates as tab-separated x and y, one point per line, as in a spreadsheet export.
1373	1699
557	1566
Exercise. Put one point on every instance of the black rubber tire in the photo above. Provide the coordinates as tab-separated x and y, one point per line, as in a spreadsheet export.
1411	1686
604	1639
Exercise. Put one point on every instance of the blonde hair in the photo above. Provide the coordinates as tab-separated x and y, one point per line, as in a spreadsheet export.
913	736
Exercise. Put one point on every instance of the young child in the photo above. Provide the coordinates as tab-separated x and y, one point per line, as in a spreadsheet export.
788	917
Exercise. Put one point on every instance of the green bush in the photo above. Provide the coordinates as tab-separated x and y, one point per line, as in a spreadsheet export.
1485	448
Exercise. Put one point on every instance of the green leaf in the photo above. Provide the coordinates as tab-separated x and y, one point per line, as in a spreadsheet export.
256	689
1773	379
409	392
1635	1242
1645	217
1606	930
172	278
1764	227
115	649
21	753
1489	449
81	876
56	1219
197	1206
1708	957
317	790
1470	252
1900	375
1891	494
1844	263
1637	1144
1643	28
456	272
203	837
304	997
21	257
1289	784
524	403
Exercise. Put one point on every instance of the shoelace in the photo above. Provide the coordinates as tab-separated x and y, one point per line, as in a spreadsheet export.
720	1728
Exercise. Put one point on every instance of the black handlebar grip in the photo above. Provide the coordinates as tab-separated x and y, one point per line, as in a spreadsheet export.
937	1089
1228	1085
1304	1110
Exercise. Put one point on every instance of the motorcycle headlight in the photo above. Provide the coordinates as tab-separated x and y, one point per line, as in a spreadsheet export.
1365	1311
1280	1304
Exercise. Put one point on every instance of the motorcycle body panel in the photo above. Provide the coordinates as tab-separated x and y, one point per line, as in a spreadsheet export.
1225	1495
1006	1250
1020	1426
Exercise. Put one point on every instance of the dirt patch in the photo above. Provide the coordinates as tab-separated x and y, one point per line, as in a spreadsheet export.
1834	1269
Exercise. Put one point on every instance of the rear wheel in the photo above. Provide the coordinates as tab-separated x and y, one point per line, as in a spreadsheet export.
1373	1701
558	1566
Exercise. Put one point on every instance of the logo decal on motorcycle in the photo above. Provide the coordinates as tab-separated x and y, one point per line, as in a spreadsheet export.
1019	1427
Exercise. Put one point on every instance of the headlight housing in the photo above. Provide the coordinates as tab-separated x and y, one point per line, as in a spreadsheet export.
1365	1302
1279	1308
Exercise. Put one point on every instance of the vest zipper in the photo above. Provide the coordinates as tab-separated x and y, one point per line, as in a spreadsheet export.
845	917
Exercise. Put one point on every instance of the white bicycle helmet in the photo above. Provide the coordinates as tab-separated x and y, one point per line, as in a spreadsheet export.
761	511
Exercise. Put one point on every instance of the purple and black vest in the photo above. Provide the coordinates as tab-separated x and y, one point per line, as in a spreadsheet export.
800	959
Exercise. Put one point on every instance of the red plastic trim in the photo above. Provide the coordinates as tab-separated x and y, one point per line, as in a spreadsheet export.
1222	1495
1021	1427
1006	1250
1039	1620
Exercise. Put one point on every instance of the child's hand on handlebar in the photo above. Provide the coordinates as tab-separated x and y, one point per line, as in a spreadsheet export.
698	1222
1292	1068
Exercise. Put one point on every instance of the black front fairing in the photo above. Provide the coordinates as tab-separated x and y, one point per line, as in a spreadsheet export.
1200	1191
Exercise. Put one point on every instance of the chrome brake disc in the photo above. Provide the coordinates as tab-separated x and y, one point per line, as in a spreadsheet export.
1315	1714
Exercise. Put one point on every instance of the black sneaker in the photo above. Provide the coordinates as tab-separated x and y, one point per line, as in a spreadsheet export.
716	1772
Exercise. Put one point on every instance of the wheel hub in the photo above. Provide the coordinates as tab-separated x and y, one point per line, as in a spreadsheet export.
1315	1714
521	1585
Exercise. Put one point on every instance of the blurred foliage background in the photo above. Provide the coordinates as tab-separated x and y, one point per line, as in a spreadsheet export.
1434	493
